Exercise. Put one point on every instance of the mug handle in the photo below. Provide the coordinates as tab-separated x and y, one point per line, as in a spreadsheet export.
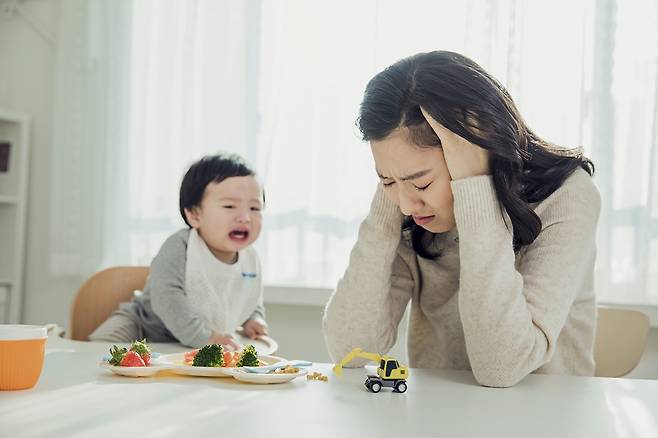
52	327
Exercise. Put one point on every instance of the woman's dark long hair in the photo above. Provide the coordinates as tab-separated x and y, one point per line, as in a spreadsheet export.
468	101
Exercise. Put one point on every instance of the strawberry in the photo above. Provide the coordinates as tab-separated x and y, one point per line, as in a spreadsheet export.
141	348
132	359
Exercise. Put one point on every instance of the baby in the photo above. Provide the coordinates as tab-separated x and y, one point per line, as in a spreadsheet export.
206	280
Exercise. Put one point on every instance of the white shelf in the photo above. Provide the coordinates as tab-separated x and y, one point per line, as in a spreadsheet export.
11	116
14	128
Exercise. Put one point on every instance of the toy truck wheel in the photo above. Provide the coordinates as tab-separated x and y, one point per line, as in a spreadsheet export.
401	387
375	387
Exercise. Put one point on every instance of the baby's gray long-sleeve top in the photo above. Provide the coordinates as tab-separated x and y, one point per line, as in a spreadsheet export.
163	309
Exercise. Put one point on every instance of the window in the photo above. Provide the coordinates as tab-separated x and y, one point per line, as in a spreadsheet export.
280	82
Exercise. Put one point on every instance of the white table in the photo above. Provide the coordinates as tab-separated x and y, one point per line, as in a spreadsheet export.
75	398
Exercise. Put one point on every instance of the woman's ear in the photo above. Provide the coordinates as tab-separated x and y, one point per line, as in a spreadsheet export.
192	216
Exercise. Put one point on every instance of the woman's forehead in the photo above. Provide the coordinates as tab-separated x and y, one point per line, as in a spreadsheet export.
396	156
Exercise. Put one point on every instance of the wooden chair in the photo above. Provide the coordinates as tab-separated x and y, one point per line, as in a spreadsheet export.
621	335
100	295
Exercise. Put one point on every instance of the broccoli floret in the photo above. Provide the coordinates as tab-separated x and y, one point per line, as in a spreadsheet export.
209	356
248	357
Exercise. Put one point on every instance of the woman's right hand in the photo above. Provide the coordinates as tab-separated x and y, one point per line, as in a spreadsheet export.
225	340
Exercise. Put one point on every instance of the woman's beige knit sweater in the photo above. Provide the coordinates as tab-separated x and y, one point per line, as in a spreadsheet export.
479	306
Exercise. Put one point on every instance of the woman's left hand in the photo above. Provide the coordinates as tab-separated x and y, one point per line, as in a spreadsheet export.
464	159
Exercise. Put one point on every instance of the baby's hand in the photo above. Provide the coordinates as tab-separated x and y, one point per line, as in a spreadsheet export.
225	340
253	329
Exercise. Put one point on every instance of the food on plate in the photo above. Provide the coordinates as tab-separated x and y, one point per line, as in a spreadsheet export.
317	376
188	356
287	370
138	355
248	357
116	355
122	357
214	355
132	359
142	348
231	358
211	355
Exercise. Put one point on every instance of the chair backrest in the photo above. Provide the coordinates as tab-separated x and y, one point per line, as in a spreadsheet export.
621	335
100	295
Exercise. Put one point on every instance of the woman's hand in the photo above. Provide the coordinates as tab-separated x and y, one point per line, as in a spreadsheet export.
464	159
253	329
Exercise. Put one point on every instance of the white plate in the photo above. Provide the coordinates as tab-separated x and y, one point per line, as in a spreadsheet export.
148	371
176	364
264	379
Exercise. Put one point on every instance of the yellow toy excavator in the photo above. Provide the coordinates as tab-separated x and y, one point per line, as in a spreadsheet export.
390	373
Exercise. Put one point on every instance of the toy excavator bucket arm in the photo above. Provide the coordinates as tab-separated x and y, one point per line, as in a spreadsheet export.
357	352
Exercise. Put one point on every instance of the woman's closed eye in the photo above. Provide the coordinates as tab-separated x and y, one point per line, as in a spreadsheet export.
228	206
420	189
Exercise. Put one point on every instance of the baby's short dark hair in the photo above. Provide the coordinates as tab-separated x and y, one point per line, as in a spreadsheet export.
209	169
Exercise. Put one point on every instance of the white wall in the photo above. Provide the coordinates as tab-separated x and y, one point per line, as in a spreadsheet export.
26	84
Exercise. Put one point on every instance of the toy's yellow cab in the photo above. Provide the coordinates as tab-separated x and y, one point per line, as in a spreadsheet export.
390	374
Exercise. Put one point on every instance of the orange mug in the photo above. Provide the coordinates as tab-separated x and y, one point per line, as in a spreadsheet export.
22	348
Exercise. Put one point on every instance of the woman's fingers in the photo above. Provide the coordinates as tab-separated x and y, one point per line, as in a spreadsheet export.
463	158
439	129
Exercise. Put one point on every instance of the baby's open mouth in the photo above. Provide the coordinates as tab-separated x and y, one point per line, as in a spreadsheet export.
239	235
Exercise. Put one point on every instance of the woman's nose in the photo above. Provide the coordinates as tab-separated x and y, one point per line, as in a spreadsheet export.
409	202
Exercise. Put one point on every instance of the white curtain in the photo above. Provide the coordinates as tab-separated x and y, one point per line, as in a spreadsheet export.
91	110
188	97
280	82
625	146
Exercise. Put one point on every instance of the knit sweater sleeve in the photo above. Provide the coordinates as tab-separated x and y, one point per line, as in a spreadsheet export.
512	315
371	297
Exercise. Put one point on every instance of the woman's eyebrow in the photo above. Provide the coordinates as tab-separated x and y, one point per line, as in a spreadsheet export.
415	175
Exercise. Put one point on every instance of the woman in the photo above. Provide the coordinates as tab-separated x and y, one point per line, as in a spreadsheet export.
486	228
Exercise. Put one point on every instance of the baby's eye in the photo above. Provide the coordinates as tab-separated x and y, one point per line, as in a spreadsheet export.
255	208
228	206
420	189
388	183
